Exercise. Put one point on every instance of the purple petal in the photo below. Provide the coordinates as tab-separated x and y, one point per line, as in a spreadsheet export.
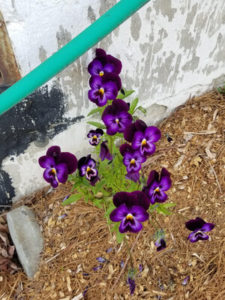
185	281
101	259
152	134
100	52
207	227
54	152
97	268
148	149
130	199
140	267
196	236
95	82
95	67
119	213
48	175
104	152
116	63
165	181
160	244
153	177
160	197
131	283
62	172
137	139
70	160
195	224
125	148
139	213
110	77
130	131
134	226
50	178
46	162
134	176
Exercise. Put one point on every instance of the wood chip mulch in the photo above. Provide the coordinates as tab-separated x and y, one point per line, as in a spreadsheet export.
196	159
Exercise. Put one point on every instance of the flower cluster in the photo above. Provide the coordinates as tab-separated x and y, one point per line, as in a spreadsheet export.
142	139
105	81
105	182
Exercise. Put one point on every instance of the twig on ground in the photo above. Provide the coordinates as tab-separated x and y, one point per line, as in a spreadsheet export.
217	181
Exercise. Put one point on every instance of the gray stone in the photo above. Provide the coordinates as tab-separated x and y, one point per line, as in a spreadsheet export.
27	238
155	114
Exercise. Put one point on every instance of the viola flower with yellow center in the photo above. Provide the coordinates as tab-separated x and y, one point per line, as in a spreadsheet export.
95	136
199	228
58	165
132	159
130	211
144	140
116	117
87	168
104	88
156	186
104	64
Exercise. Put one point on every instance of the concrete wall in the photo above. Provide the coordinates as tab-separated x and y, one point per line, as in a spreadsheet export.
170	49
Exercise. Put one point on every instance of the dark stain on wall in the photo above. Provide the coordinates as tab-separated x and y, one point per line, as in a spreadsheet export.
38	118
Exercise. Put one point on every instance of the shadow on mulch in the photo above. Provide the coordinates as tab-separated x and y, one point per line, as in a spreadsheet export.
196	159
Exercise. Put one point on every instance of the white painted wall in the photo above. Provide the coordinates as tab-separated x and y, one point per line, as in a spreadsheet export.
170	49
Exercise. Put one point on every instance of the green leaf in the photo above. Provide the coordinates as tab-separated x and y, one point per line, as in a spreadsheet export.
133	105
119	237
95	111
97	203
127	93
163	210
142	109
168	205
97	124
73	198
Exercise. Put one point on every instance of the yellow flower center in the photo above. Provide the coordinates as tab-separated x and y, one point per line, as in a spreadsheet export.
129	217
156	190
144	142
88	169
117	121
101	73
95	137
53	171
101	91
132	162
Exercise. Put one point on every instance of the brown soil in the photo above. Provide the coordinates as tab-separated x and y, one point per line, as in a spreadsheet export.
196	160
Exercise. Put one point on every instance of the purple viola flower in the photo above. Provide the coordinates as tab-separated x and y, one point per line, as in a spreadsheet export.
144	140
130	130
87	168
160	244
132	159
156	187
104	63
95	136
199	228
104	151
103	88
58	165
130	210
116	117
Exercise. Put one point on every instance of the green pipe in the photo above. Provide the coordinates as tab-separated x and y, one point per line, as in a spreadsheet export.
70	52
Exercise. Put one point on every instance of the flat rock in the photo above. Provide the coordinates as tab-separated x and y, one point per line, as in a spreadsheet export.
27	238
